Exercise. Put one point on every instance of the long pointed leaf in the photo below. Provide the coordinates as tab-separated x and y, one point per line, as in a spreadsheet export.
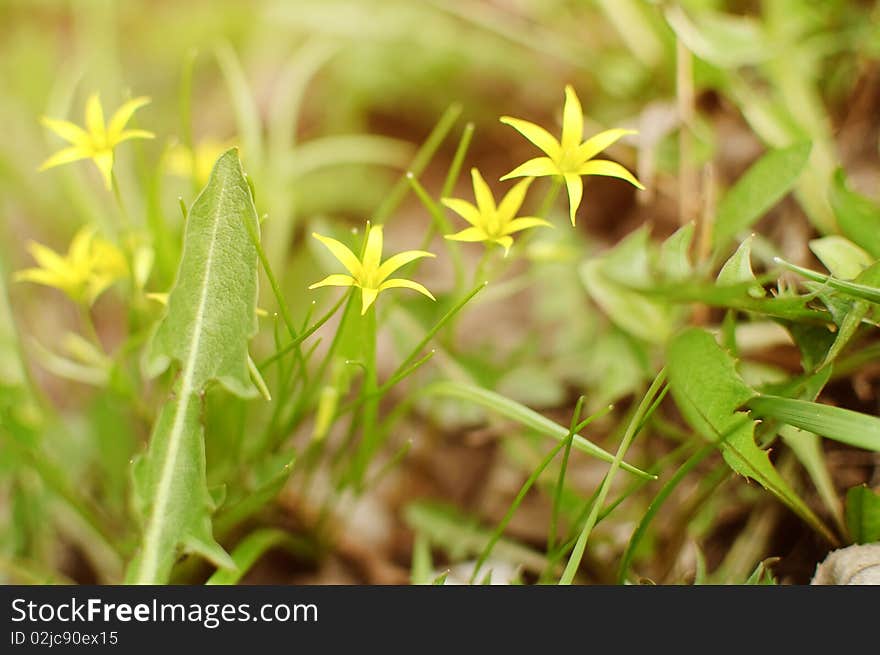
211	315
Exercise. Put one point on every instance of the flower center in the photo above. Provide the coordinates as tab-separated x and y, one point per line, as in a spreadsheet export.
569	161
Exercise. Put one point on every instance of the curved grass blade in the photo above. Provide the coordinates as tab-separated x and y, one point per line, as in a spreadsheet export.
525	417
843	425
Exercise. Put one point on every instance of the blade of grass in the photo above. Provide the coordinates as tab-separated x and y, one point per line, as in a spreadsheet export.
631	432
420	161
527	485
843	425
524	416
665	491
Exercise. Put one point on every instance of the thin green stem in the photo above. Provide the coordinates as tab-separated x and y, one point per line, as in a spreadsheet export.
560	481
631	431
499	530
419	163
117	195
457	160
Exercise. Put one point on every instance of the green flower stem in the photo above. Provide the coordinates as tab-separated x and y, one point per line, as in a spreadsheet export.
631	431
85	314
117	195
419	163
483	268
439	224
370	409
560	482
457	160
550	198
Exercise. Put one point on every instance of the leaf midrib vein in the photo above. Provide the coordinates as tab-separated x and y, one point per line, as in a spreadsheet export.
150	555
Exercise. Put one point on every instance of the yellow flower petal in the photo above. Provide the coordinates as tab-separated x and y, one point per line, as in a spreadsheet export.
95	120
402	259
339	250
482	194
368	297
513	200
534	133
575	187
65	156
104	161
610	169
80	247
524	223
133	134
572	120
599	142
504	242
464	209
66	130
335	280
46	257
40	276
373	250
469	234
536	167
399	283
122	116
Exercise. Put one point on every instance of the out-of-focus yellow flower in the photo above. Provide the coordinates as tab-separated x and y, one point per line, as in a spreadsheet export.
91	265
196	163
569	157
98	140
370	274
491	223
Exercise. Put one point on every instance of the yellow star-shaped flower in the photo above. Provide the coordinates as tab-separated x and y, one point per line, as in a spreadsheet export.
569	157
370	274
91	265
98	140
491	223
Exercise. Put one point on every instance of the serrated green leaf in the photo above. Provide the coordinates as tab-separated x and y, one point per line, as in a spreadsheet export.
250	549
211	315
857	216
212	308
852	289
863	514
709	393
788	307
171	494
761	187
738	269
853	318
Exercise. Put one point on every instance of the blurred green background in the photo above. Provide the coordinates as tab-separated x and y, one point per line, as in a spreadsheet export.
329	101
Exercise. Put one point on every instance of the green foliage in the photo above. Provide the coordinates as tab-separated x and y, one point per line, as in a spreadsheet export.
340	111
857	216
758	190
709	392
524	416
210	319
863	514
